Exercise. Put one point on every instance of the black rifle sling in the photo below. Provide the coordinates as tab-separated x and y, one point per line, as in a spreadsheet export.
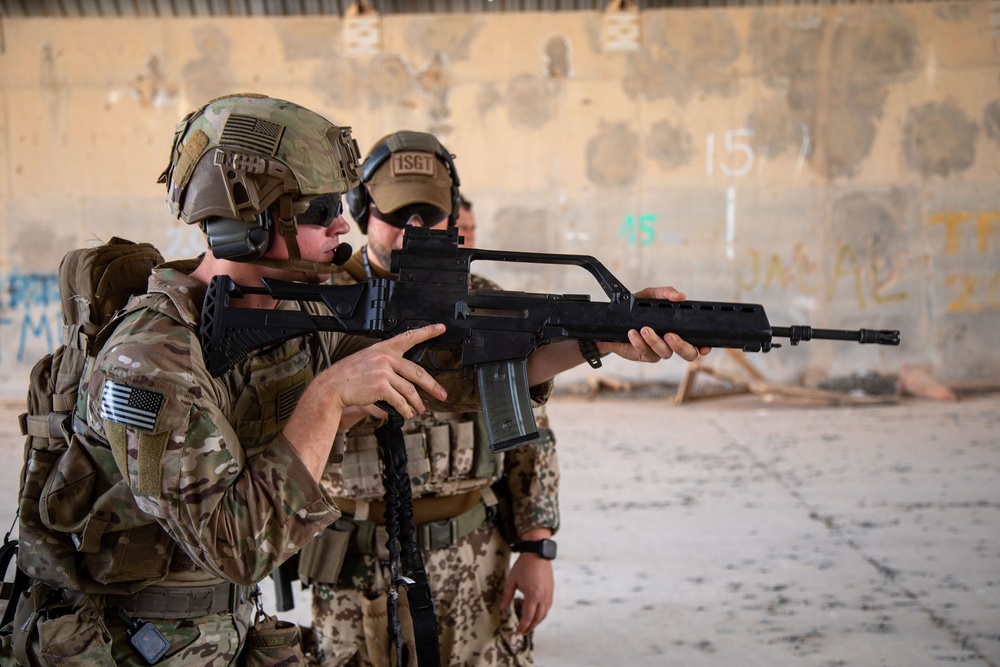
11	591
406	566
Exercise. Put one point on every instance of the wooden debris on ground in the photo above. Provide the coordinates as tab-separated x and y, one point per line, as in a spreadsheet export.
747	379
916	380
600	383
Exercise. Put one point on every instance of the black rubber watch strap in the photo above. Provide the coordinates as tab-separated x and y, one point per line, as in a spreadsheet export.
544	548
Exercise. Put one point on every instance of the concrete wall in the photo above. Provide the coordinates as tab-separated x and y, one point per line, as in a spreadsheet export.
837	164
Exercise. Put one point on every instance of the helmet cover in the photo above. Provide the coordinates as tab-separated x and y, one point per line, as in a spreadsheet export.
236	155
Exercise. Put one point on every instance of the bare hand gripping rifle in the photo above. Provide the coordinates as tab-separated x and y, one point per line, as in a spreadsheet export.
495	330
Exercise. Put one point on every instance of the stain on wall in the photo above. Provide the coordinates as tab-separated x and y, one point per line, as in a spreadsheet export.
558	64
528	103
389	79
869	263
939	138
777	132
488	98
520	228
337	79
954	11
208	75
682	58
449	34
309	39
613	156
434	79
151	87
991	120
669	144
835	77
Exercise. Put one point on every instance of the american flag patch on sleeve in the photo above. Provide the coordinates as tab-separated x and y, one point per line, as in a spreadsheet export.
130	406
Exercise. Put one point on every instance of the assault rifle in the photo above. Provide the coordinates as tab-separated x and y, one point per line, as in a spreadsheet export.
495	330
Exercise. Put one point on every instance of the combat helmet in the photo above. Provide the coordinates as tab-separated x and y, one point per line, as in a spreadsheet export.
246	167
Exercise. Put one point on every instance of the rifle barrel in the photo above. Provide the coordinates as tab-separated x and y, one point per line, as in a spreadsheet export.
863	336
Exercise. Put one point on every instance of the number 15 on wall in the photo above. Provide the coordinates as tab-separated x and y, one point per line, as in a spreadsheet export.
738	153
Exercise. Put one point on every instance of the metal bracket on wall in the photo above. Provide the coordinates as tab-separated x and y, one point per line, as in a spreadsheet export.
362	30
621	30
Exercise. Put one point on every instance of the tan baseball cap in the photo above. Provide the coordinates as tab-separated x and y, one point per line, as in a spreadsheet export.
411	177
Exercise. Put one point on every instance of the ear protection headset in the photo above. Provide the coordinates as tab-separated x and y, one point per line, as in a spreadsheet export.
238	240
359	199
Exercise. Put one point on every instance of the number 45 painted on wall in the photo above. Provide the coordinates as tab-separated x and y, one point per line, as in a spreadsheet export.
638	231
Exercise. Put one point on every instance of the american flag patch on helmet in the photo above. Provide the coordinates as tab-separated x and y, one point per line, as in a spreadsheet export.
250	132
127	405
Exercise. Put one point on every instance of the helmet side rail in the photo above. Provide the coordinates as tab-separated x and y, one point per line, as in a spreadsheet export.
495	330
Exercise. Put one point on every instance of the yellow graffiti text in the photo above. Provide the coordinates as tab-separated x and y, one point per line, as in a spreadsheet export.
973	293
986	224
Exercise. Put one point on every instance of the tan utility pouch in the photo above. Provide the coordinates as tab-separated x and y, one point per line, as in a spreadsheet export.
54	633
375	621
440	457
272	642
321	558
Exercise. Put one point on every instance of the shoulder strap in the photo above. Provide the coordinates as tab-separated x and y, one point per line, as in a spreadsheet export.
403	549
11	592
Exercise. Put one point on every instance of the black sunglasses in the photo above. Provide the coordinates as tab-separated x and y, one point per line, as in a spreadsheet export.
429	214
322	211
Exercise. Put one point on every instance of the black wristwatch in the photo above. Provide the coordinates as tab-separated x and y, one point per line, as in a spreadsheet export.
544	548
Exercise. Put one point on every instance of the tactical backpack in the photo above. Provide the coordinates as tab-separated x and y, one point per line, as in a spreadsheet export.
94	284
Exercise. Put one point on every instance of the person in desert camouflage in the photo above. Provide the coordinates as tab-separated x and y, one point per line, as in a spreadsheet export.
472	507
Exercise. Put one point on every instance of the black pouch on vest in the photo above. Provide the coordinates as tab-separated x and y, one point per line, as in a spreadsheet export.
504	511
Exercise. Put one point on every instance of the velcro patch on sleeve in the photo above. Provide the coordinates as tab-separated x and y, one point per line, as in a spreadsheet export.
127	405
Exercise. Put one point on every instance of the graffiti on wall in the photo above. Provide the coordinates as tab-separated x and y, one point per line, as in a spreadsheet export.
968	232
863	274
29	315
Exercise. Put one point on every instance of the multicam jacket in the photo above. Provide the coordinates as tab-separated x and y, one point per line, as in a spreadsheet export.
174	470
202	456
532	471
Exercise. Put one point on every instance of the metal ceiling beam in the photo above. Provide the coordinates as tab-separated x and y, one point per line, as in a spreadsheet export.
209	8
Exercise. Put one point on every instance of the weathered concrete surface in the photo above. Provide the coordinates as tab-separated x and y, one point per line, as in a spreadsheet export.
837	163
731	532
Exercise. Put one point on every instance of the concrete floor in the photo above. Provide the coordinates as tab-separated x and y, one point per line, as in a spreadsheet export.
734	532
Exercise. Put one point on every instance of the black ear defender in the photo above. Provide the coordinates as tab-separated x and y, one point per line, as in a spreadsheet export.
238	240
359	200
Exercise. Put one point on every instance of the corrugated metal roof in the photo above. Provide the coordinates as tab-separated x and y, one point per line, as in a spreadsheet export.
168	8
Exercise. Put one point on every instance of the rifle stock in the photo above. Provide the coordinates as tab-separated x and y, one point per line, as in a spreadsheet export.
495	330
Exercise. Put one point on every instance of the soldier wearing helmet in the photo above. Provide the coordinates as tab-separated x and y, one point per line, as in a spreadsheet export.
203	484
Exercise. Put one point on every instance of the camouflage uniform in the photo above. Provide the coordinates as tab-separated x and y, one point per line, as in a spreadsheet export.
206	470
466	577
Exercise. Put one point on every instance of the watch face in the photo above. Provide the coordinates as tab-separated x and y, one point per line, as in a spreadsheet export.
548	549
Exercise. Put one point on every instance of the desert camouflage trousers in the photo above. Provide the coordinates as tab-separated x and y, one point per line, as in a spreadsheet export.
466	580
90	637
